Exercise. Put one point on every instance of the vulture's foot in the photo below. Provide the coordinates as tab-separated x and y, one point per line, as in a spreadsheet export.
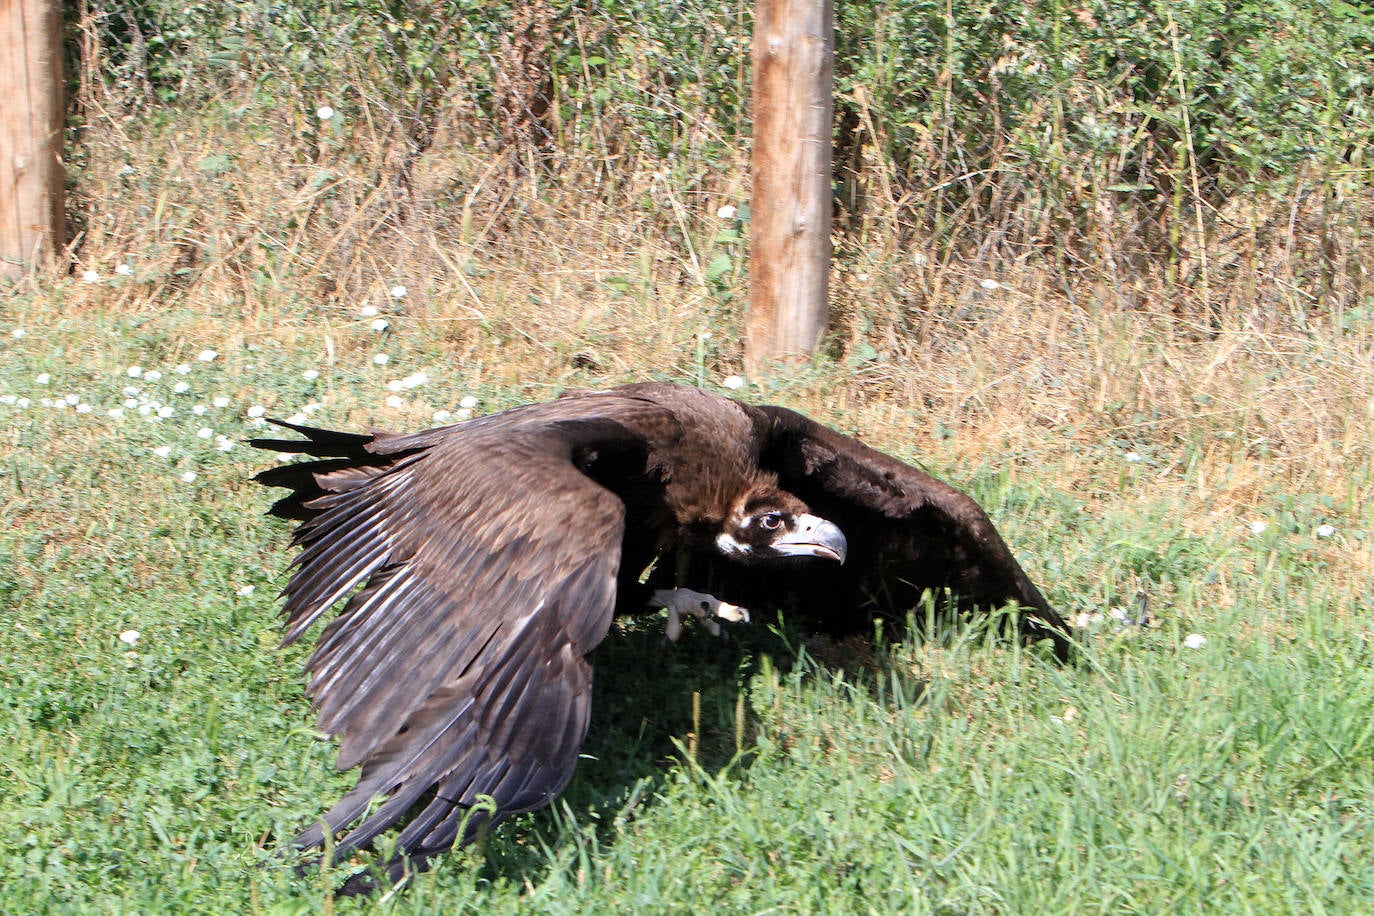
683	602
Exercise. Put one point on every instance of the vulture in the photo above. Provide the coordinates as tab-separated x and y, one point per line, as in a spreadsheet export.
480	564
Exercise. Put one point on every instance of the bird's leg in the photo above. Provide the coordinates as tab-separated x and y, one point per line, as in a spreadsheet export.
683	602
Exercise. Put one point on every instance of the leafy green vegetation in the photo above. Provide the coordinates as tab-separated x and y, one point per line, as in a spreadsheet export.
1100	264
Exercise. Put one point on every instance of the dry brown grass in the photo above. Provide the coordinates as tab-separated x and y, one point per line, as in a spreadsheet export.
1252	378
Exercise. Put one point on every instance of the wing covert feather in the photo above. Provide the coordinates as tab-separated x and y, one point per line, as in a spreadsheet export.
488	567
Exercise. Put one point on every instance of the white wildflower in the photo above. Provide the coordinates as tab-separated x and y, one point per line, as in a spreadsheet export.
442	416
188	477
204	432
83	408
200	410
733	382
324	112
42	378
1195	640
468	403
380	324
163	451
397	292
165	412
729	211
114	413
989	284
224	443
183	369
91	276
220	401
395	400
134	371
381	359
123	270
245	591
1258	527
181	387
207	356
1132	457
257	410
152	375
463	413
310	375
368	311
18	332
129	636
1325	531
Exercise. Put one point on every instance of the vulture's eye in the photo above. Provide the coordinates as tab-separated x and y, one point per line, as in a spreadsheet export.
771	522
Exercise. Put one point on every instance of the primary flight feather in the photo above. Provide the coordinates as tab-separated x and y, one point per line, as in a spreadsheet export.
493	554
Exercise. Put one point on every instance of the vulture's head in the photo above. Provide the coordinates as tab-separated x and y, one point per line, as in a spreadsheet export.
769	524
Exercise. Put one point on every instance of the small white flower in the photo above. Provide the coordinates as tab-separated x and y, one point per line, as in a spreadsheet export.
204	432
21	402
224	443
245	591
183	369
152	375
308	409
380	324
114	413
395	400
207	356
8	399
42	378
200	410
468	403
368	311
143	409
703	336
310	375
1258	527
129	636
134	371
163	451
165	412
220	401
298	418
181	387
397	292
733	382
1325	531
257	410
395	385
463	414
989	284
284	457
91	276
83	408
1132	457
727	212
72	399
442	416
324	112
1195	640
123	270
132	392
188	477
381	359
18	332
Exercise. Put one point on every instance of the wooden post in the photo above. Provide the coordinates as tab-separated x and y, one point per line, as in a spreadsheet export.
789	237
32	224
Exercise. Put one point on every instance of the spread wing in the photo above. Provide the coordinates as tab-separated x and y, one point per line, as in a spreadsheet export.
920	531
488	565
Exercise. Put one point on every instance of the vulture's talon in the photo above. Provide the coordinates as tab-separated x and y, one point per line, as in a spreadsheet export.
683	602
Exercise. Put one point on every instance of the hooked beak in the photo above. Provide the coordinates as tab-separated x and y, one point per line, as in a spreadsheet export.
813	536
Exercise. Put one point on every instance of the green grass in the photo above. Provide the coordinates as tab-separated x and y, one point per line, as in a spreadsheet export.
962	775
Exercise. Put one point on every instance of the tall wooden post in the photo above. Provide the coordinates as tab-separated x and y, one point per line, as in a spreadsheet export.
789	238
32	226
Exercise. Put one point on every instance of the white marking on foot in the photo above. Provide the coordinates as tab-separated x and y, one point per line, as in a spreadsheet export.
683	602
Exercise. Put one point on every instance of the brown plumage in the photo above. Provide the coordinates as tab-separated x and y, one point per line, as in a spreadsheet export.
494	553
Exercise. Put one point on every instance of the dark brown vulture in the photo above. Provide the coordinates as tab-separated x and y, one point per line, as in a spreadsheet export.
493	554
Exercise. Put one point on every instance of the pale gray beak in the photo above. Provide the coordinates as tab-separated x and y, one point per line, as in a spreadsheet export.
813	536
